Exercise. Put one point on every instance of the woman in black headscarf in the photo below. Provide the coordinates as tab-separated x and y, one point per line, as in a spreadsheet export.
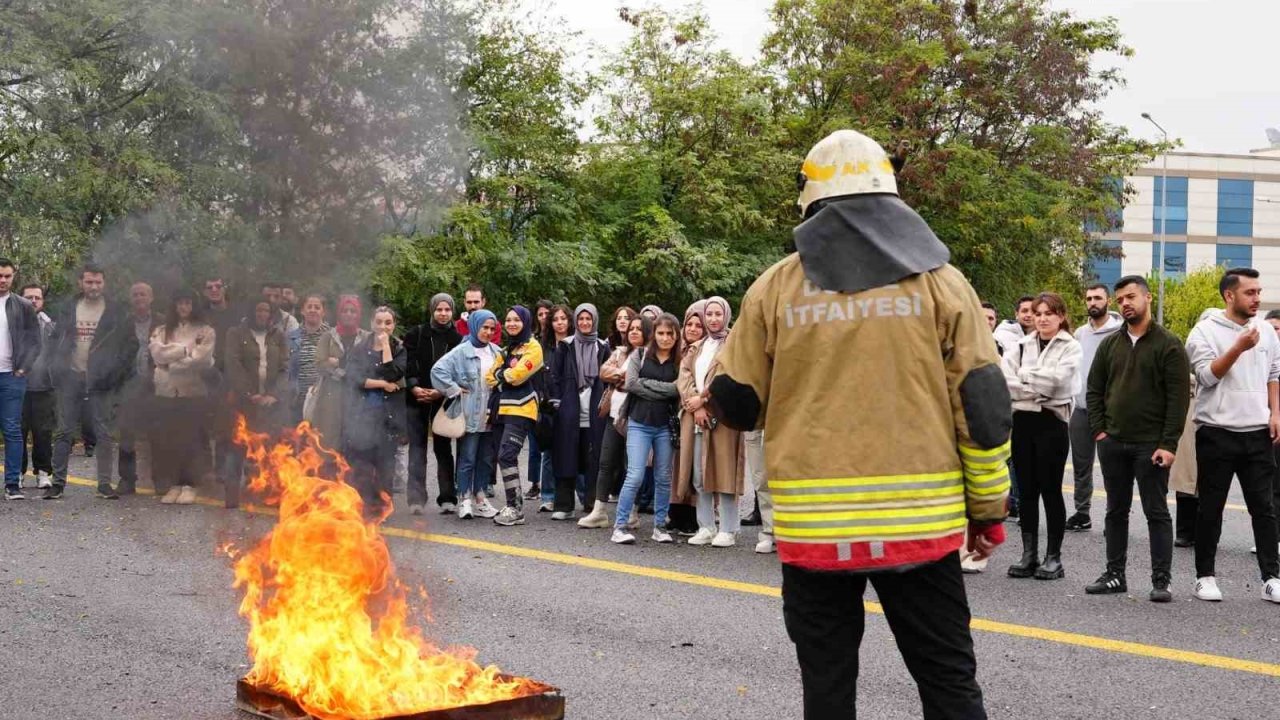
424	345
579	427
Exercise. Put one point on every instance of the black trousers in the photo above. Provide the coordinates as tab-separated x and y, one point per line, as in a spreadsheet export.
372	472
567	487
928	613
39	421
419	421
1040	445
613	465
1220	454
1122	465
514	431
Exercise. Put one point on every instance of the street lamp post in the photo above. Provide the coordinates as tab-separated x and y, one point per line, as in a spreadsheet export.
1164	211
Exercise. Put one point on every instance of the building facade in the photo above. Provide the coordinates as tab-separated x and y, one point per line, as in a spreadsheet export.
1222	210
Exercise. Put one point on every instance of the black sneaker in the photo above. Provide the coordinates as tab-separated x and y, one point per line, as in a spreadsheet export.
1079	522
126	489
1160	591
106	493
1110	583
534	493
53	493
752	520
1183	541
14	494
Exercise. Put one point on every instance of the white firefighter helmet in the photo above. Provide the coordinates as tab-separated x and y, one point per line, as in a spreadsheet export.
846	162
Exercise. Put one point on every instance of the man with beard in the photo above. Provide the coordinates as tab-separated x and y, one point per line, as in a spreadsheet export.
39	413
1236	359
1102	325
1011	332
1139	389
869	305
136	398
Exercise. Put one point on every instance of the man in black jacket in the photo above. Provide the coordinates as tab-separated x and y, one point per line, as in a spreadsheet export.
19	346
424	345
93	356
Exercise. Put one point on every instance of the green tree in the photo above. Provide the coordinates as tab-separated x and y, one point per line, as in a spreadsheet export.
1186	298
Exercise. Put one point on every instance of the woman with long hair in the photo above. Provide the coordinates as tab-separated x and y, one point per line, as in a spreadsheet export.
1041	372
304	368
182	350
514	378
540	458
613	445
579	428
652	401
375	411
460	377
424	345
256	358
331	354
620	327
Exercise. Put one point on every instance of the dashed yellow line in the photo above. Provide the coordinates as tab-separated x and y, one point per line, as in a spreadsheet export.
1031	632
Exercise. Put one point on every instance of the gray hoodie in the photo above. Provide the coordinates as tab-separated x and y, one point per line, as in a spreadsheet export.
1089	340
1238	400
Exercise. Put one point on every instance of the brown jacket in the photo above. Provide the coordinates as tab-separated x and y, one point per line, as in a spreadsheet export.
241	358
722	453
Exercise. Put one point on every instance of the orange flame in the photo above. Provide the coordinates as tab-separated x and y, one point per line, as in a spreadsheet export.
328	619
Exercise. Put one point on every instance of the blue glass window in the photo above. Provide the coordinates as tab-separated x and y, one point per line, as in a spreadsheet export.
1176	201
1113	220
1105	268
1235	208
1232	256
1175	258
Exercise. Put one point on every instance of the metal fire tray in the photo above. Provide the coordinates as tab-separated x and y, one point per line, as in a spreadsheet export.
547	704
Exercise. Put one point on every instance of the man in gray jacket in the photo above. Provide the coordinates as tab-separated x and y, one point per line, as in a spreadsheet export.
39	418
1101	325
1236	360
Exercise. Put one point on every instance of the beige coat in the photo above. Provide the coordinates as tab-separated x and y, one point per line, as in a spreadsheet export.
331	360
181	360
723	458
1182	476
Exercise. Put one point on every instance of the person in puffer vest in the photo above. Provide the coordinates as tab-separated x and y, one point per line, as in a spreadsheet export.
866	359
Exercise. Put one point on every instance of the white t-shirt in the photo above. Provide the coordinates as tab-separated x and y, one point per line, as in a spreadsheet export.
706	356
6	341
584	407
260	336
1132	338
487	358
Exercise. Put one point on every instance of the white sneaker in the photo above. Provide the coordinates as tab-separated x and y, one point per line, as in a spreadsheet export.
597	518
724	539
702	537
622	537
969	566
187	496
416	509
509	516
662	536
485	509
448	509
1207	589
44	481
765	545
546	507
464	511
562	515
1271	590
1254	550
171	497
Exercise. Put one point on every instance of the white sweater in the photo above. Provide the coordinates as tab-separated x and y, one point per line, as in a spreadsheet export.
1048	380
1238	400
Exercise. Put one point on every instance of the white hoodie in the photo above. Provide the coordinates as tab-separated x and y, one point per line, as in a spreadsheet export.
1043	381
1089	340
1008	334
1238	400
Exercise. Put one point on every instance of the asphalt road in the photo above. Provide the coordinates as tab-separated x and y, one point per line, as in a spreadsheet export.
124	609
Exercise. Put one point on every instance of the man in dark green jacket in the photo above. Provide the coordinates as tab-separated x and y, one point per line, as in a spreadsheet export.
1138	393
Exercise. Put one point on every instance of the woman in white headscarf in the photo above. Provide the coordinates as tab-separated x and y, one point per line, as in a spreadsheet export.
711	455
578	427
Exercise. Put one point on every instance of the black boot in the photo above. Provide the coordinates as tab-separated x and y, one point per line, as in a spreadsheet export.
1185	523
753	518
1051	568
1030	557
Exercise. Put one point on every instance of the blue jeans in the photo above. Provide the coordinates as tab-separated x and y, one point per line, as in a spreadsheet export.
475	464
12	390
540	469
641	439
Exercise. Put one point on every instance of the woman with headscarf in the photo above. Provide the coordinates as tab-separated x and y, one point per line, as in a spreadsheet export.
653	312
683	513
710	454
375	413
577	390
613	444
516	378
542	480
331	353
424	345
460	377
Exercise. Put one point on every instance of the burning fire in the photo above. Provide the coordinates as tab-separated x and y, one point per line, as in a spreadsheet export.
328	619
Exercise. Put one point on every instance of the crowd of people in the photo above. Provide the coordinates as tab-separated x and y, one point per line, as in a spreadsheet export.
606	410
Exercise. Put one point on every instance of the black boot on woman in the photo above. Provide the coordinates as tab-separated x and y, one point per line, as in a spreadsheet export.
1030	561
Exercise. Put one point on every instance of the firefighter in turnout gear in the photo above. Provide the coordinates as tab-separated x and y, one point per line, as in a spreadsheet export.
866	359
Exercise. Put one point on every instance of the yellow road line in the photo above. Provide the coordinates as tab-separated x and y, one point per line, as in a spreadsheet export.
1069	490
1094	642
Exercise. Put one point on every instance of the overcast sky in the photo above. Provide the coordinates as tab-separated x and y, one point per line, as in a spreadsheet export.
1207	70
